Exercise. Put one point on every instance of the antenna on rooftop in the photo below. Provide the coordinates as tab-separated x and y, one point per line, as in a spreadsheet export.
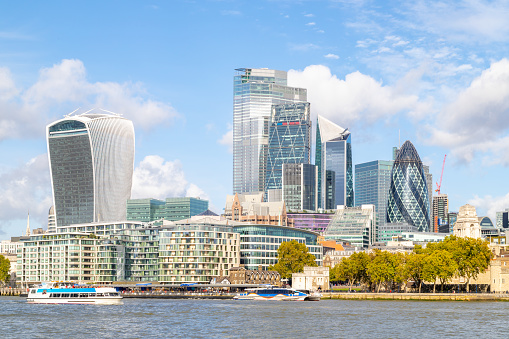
68	115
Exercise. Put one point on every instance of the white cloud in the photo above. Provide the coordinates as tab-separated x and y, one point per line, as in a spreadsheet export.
24	188
309	15
357	97
311	24
331	56
477	121
490	205
303	47
227	139
63	88
231	12
159	179
479	20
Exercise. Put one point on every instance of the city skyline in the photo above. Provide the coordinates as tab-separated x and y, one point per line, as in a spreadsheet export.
388	72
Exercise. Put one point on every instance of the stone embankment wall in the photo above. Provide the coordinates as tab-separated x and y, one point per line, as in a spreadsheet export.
418	296
11	291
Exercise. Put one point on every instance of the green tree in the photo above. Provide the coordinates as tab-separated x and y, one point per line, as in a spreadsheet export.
438	264
382	268
292	257
414	263
351	269
5	266
472	256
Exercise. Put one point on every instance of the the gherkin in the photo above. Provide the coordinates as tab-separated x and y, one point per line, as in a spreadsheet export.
408	193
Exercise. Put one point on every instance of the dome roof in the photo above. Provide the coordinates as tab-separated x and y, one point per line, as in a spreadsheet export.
407	152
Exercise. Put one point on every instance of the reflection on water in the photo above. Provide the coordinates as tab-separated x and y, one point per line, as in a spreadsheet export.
142	318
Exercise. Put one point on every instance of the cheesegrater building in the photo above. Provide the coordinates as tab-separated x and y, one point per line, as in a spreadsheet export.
408	193
91	158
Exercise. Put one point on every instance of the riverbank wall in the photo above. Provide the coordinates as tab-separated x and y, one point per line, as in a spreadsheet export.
178	296
418	296
11	291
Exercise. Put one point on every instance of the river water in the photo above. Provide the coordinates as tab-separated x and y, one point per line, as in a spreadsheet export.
165	318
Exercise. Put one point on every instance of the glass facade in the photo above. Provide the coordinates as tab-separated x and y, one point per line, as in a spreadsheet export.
353	224
329	190
289	140
408	195
171	209
318	164
91	160
259	244
316	222
299	186
254	93
336	155
372	183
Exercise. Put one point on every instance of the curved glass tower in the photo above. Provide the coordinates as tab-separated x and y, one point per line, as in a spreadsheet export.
408	192
91	158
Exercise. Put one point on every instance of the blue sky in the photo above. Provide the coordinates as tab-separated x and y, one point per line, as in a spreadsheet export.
433	72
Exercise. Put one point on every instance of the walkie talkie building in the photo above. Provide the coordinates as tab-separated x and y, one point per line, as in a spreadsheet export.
408	193
91	159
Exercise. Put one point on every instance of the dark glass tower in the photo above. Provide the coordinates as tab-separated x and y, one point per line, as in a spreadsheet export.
289	140
408	193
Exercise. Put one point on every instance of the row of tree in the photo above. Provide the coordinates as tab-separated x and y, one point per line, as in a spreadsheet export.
438	262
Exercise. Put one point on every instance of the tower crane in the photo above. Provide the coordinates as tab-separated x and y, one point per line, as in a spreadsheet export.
441	175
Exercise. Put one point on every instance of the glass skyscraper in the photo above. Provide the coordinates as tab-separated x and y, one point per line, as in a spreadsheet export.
335	154
254	93
299	186
91	158
289	140
372	183
408	195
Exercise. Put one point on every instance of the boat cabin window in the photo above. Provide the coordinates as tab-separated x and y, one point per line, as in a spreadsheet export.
74	295
54	295
33	291
65	295
83	295
92	295
100	294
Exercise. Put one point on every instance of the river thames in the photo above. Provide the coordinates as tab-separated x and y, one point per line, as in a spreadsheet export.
163	318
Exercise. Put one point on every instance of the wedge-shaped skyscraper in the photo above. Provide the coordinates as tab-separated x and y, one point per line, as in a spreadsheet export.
91	158
408	193
334	153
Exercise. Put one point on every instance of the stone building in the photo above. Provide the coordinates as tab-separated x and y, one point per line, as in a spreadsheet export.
240	275
312	279
467	224
251	208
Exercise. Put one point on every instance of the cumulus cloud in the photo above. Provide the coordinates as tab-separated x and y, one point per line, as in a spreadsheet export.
157	178
357	97
490	205
65	87
478	119
227	139
26	187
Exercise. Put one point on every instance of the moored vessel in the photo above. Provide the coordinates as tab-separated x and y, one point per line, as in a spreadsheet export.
271	293
69	293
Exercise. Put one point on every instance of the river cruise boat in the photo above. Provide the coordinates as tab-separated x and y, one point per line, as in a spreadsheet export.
271	293
69	293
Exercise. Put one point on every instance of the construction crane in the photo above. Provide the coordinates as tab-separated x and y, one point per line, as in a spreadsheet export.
441	175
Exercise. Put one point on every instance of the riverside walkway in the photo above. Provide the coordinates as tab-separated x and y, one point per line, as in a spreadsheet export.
417	296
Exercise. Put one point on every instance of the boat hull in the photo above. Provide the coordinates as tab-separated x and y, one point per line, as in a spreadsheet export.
77	301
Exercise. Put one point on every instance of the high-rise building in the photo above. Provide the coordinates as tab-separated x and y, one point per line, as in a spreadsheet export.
372	183
353	224
503	219
254	93
335	153
451	219
52	226
91	158
408	195
440	216
299	186
289	140
328	191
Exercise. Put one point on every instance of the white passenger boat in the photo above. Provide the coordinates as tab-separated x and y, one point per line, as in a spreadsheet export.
271	293
68	293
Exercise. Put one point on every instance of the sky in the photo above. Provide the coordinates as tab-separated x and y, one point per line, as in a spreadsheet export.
432	72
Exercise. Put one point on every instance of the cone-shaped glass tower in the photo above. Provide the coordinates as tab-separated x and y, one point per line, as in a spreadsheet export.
408	193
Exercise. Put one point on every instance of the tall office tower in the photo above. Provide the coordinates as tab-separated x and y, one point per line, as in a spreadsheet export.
318	164
289	140
372	183
503	219
329	190
451	219
335	153
254	93
429	183
91	158
440	214
408	195
299	186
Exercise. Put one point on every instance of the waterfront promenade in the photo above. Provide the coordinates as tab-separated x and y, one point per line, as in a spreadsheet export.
417	296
